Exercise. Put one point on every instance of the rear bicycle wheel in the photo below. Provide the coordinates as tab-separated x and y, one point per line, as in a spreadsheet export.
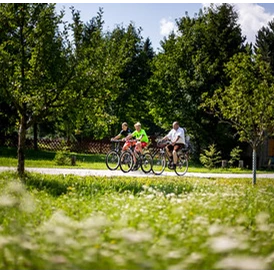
126	161
112	160
159	163
146	162
182	165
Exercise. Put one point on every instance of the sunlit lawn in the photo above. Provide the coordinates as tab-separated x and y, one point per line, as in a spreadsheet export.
69	222
90	161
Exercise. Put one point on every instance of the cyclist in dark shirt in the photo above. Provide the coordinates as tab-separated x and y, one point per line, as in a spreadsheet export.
123	134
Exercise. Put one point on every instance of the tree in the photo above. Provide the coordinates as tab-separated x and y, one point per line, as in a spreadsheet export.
247	102
36	64
115	67
265	43
191	63
98	76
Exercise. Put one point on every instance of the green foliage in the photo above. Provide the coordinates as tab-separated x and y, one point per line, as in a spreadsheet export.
69	222
265	43
211	157
248	101
190	64
234	155
37	64
62	158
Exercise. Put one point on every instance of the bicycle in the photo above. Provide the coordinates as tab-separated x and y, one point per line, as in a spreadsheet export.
113	156
161	160
144	160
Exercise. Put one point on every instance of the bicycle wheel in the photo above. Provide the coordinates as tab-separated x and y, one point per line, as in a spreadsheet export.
126	161
159	163
182	165
112	160
146	162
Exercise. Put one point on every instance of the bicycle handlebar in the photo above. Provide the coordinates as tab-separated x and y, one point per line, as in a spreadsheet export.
131	141
117	141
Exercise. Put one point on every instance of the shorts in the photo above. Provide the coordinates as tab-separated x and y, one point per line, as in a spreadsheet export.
176	147
143	144
129	145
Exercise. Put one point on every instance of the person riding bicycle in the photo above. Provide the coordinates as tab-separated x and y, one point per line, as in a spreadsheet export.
177	137
141	139
123	133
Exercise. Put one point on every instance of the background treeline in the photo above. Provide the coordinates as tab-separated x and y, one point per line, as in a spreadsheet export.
75	80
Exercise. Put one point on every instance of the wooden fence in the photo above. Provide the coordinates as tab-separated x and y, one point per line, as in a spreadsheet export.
84	146
87	146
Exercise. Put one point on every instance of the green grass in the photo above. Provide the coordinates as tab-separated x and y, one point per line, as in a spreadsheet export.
89	161
69	222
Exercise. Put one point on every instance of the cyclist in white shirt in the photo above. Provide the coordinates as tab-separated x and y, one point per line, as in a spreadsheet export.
177	138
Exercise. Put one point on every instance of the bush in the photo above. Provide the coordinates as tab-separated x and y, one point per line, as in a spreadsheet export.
211	157
235	155
62	158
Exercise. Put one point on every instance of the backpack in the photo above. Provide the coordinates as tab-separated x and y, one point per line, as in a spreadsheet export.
187	140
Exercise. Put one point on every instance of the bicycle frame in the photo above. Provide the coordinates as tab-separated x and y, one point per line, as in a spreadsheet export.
182	164
117	146
143	160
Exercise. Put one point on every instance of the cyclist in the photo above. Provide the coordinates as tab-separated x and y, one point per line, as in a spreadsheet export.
177	137
141	139
123	133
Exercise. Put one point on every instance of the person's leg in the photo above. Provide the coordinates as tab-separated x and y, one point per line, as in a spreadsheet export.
169	150
139	147
126	146
174	153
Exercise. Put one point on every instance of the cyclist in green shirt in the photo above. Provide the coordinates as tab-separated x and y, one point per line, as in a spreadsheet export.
141	137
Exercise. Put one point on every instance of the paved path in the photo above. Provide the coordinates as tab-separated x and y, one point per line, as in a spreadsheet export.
108	173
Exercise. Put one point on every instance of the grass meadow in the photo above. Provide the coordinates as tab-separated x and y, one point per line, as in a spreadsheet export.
8	157
70	222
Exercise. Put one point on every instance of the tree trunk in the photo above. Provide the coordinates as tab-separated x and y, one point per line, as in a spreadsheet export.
254	166
21	146
35	136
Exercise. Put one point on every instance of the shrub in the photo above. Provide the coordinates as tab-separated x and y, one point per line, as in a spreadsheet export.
235	155
62	158
211	157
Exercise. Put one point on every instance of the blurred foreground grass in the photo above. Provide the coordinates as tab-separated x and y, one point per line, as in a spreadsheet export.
69	222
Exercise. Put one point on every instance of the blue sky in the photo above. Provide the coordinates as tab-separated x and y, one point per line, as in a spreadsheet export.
158	19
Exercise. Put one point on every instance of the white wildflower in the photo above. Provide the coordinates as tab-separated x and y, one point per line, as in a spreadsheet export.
223	244
242	263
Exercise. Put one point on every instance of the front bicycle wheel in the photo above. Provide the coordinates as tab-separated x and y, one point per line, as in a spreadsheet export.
182	165
159	163
112	160
146	162
126	161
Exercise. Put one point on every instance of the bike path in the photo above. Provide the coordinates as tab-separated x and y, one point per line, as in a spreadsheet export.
138	173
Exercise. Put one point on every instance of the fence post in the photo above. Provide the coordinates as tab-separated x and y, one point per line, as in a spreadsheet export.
224	163
241	164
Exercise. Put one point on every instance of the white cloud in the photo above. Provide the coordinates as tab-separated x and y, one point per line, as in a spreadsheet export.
166	26
252	17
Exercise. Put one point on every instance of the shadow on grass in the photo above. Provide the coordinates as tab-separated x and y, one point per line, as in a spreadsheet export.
50	155
90	186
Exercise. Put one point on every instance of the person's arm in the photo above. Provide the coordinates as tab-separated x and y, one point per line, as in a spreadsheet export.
116	137
167	137
140	138
177	138
178	135
129	136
